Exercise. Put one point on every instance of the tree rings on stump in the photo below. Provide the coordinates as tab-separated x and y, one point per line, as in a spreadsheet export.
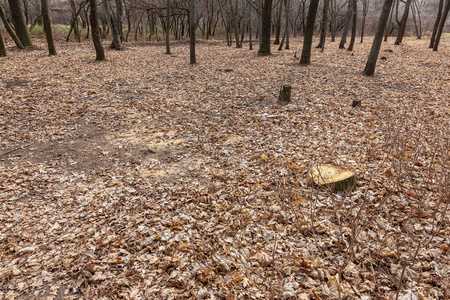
285	95
334	178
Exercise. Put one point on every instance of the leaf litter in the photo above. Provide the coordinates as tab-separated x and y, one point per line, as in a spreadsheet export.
143	177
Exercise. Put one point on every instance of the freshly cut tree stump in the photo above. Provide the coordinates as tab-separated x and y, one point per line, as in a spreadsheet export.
334	178
285	95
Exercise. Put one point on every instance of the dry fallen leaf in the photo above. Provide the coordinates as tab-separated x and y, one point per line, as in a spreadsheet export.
262	258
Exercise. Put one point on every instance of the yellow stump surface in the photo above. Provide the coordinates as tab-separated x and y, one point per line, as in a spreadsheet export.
333	177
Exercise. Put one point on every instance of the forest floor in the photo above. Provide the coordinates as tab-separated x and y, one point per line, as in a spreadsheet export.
144	177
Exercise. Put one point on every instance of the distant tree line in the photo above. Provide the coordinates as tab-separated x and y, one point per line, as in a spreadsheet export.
236	21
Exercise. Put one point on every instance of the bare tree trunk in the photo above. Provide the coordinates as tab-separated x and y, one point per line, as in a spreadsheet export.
354	15
441	25
309	33
303	16
259	22
48	27
282	41
227	24
363	21
229	30
417	20
10	30
333	12
242	22
128	25
88	23
2	46
287	5
74	24
116	44
192	27
119	17
347	24
388	29
168	27
151	22
376	46
235	25
138	24
250	28
402	24
323	32
436	23
278	31
264	48
95	28
18	19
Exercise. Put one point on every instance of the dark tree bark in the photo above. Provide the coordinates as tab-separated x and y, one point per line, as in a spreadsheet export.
333	21
18	19
348	20
323	31
74	24
48	27
88	25
192	27
436	23
235	24
284	98
264	47
119	17
95	28
278	31
250	28
151	25
309	33
2	46
282	41
389	28
402	24
128	16
354	15
303	15
168	27
417	20
287	5
378	39
116	42
356	102
441	25
9	29
259	32
227	24
364	15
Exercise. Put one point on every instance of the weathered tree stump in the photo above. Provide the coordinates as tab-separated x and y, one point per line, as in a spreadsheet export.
285	95
356	102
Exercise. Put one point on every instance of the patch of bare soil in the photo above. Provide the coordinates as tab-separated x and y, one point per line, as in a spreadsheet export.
83	151
92	149
14	82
